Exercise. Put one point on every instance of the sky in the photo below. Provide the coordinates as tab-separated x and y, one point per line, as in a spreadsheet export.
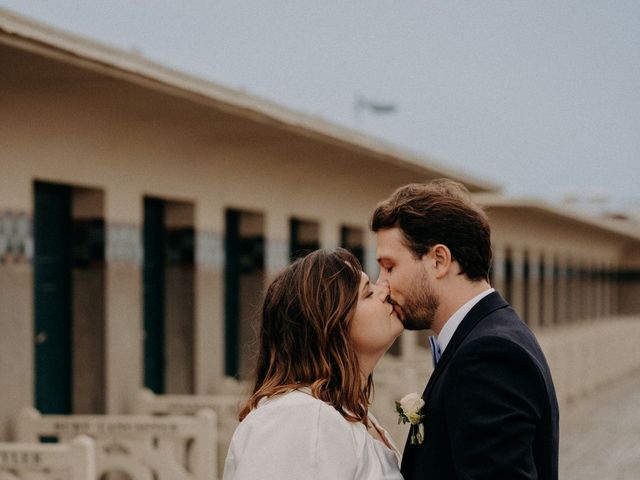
541	97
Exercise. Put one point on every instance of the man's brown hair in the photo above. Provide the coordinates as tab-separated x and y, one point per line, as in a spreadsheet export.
439	211
305	335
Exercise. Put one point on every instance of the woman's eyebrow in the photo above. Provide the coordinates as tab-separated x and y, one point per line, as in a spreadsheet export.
364	287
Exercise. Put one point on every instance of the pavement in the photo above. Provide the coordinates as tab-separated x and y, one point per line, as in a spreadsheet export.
600	435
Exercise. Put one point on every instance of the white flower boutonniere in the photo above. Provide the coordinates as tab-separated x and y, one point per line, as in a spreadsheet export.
410	411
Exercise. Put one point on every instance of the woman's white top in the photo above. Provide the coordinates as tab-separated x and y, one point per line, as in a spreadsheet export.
295	436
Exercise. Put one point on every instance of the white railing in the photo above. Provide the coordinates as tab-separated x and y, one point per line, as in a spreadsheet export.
36	461
225	407
141	447
582	356
586	356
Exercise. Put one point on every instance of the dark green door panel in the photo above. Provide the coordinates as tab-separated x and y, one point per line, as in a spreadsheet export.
154	294
52	296
232	292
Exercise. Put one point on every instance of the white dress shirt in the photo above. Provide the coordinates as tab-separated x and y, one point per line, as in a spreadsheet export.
295	436
450	327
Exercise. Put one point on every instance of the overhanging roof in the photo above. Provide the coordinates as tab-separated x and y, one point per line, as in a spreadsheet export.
21	33
623	231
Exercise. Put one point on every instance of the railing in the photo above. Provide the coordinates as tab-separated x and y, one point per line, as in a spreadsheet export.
583	357
34	461
225	407
140	447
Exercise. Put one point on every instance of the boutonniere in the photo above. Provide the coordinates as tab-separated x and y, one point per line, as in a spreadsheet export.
410	411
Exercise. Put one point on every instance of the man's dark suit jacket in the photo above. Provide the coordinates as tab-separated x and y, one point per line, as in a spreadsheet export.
490	405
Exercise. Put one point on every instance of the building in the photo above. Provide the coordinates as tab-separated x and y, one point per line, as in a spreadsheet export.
142	211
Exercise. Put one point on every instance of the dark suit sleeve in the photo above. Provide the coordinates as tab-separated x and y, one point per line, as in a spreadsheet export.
495	400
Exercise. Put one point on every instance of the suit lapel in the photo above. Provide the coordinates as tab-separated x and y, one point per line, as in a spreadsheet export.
480	310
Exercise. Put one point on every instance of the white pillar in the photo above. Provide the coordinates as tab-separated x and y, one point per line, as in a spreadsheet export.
549	289
517	287
533	314
563	306
498	273
615	290
124	352
276	244
606	296
209	341
370	259
329	234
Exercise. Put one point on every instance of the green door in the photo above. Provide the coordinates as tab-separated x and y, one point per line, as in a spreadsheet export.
154	294
231	292
52	295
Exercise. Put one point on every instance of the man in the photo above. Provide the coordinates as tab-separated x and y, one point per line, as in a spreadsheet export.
490	405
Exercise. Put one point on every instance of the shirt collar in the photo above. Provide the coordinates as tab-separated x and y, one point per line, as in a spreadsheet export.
450	327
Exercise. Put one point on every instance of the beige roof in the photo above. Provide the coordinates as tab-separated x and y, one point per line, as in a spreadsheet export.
24	34
624	230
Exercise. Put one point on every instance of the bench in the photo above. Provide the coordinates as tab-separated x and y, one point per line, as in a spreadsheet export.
142	447
74	460
225	407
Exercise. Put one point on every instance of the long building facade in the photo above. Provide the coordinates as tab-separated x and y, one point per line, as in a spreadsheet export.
142	211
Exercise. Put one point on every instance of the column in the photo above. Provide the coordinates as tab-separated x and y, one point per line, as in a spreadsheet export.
371	263
606	289
517	301
549	298
276	244
498	276
615	289
124	346
16	310
573	290
562	306
329	234
534	307
209	298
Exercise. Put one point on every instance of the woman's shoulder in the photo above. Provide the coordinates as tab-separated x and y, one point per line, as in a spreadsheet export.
294	404
299	408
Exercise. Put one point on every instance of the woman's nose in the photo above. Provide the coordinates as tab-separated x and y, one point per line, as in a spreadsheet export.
382	290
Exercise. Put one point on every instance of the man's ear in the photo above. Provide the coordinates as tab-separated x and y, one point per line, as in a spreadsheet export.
441	258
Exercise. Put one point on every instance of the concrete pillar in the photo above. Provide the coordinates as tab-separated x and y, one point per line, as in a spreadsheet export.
329	234
573	290
123	299
602	309
615	289
498	275
597	280
549	294
209	299
276	244
517	301
370	260
587	288
534	306
606	290
16	314
562	290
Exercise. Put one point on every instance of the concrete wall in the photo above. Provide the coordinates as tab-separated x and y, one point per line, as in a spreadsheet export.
582	358
117	147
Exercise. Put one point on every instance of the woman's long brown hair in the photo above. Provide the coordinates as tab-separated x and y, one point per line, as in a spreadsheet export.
304	335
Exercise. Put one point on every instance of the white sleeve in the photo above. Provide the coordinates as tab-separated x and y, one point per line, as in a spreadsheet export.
300	442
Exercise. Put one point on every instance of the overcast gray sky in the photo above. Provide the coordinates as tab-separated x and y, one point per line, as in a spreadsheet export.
539	96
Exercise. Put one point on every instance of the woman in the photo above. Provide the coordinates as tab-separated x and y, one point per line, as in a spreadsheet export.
324	328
